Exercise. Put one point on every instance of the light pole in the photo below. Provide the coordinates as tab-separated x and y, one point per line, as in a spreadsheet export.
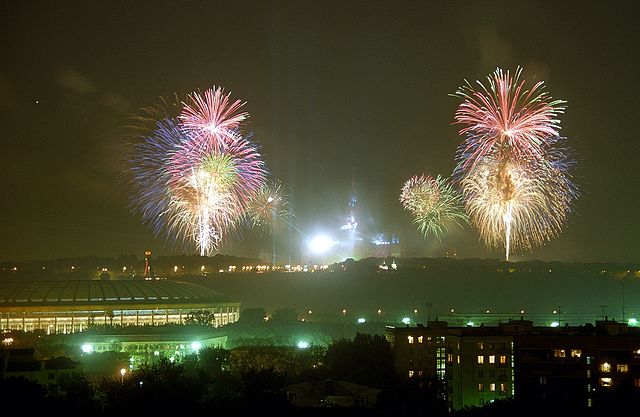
622	283
344	321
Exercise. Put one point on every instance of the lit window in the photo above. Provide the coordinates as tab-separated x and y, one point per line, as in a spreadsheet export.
480	345
492	358
589	360
420	338
492	387
606	382
449	357
636	382
622	368
503	388
588	373
576	353
480	387
605	367
410	339
589	402
480	359
420	372
503	359
411	374
559	353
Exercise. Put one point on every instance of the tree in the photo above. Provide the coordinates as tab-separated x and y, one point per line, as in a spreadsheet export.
366	360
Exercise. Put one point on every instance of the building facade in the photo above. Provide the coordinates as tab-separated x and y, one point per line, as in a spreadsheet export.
73	306
575	367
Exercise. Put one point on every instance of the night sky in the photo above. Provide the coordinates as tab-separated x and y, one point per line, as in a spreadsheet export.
332	88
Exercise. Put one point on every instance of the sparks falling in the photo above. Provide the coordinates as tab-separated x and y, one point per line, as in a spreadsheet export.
194	173
434	204
513	167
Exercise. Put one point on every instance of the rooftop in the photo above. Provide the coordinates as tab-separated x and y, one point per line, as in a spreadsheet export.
54	293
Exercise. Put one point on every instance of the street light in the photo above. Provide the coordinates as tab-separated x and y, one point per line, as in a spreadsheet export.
123	371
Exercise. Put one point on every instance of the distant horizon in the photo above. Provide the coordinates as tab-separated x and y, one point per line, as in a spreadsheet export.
140	257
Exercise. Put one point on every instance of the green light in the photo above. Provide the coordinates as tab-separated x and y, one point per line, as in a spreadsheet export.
632	322
555	324
470	323
361	320
196	346
87	348
303	345
406	320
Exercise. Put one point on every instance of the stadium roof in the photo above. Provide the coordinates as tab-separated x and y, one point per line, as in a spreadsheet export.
107	293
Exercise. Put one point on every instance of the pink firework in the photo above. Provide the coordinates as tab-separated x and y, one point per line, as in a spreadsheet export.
506	117
194	174
211	114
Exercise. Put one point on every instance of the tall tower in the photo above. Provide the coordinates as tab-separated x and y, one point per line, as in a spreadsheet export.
148	272
352	221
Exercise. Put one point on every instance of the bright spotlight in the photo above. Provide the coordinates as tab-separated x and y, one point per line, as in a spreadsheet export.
303	345
87	348
362	320
555	324
320	244
406	320
196	346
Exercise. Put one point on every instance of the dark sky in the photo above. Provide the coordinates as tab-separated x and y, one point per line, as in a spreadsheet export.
330	86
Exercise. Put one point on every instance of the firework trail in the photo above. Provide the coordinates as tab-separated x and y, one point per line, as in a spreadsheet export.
519	203
434	204
513	167
193	174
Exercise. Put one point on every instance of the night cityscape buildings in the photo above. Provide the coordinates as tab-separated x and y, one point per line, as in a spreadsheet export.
574	367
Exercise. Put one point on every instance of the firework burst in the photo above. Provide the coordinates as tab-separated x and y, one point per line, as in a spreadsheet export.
505	117
434	204
513	167
517	204
268	203
193	174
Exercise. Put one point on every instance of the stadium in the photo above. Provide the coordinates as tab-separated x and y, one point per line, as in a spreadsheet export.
72	306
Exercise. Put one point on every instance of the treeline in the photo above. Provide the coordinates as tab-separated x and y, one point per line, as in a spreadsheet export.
235	382
88	267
